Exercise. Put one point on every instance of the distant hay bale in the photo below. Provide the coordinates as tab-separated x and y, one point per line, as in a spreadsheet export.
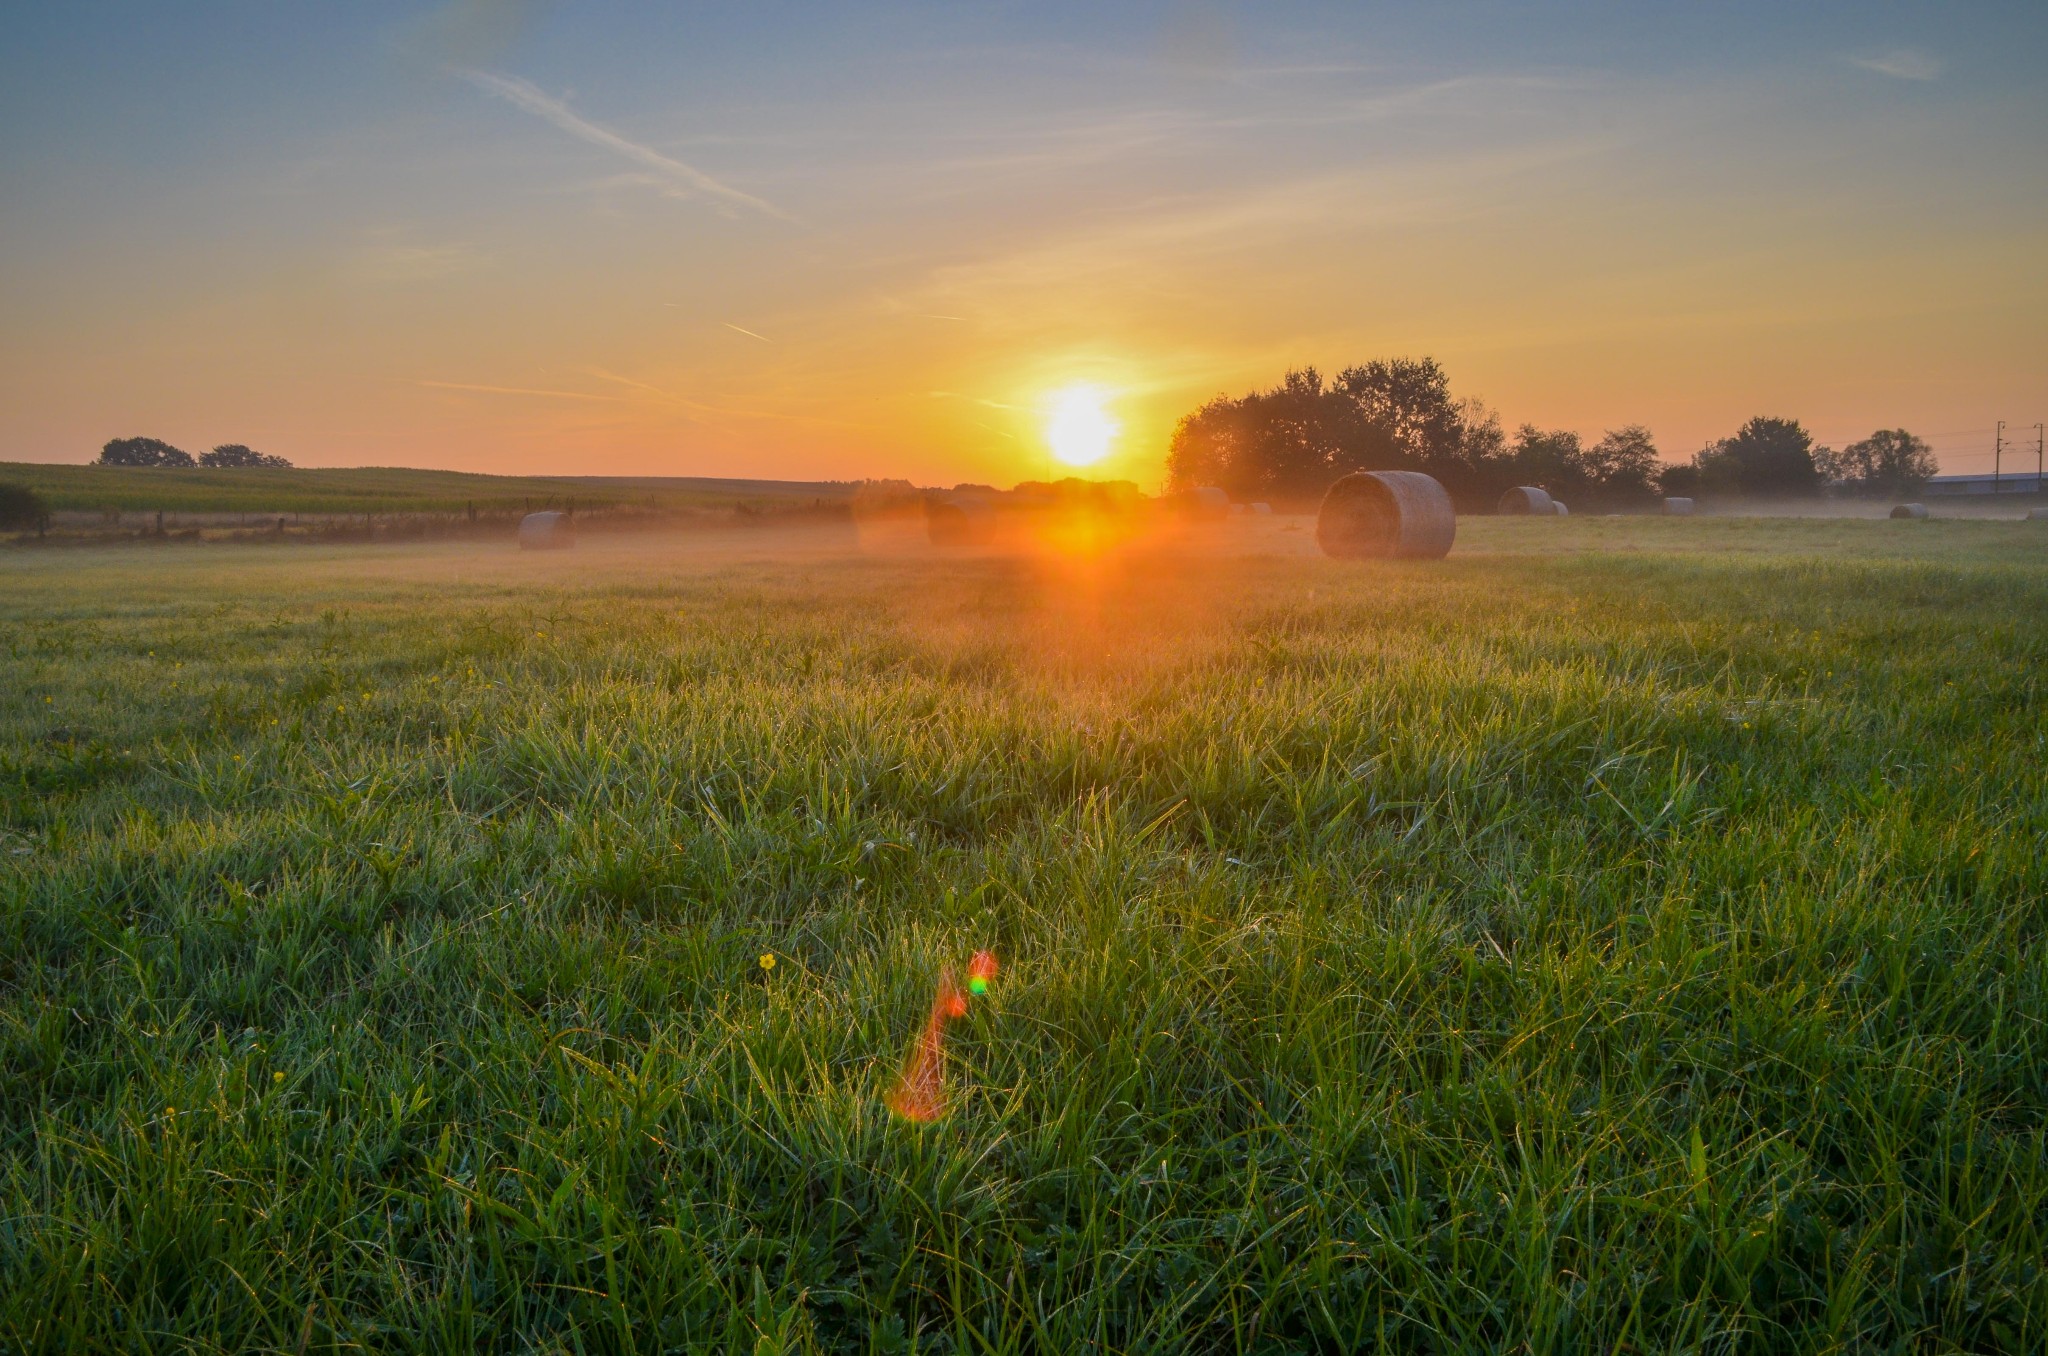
1527	499
958	520
1205	502
549	531
1909	511
1677	507
1261	509
1400	515
1557	507
2037	515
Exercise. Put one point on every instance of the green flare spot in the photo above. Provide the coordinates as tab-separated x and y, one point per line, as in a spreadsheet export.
977	985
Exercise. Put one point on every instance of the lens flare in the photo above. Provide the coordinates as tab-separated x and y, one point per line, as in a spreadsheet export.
920	1093
980	971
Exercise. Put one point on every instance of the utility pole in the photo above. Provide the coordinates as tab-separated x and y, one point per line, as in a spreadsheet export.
1997	456
2039	442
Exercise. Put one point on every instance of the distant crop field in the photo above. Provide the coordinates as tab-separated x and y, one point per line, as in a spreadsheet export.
1625	935
374	489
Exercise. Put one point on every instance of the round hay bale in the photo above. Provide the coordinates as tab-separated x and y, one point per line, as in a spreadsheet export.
1677	507
961	520
546	531
1261	510
1527	499
1909	511
1557	507
1399	515
1205	502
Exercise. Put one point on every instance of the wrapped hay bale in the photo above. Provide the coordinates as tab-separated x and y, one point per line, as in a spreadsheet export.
1677	507
1909	511
1205	503
960	520
2037	515
1527	499
547	531
1557	507
1400	515
1261	510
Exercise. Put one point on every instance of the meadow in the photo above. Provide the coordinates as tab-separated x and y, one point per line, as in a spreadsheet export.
1624	935
378	489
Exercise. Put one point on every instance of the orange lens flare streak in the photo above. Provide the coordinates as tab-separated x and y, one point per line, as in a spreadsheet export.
920	1093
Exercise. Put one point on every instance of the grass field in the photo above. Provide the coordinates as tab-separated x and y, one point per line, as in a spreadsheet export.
1626	935
376	489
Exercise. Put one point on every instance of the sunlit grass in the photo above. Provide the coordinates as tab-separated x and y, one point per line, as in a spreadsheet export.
1539	950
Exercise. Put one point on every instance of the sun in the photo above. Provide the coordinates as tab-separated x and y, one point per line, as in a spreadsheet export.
1078	429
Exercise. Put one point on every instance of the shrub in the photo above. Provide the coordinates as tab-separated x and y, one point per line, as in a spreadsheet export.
20	507
235	454
142	452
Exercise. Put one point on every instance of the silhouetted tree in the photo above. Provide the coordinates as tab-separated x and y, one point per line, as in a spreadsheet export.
235	454
1624	465
142	452
1891	463
1290	442
1766	457
21	507
1554	460
1409	400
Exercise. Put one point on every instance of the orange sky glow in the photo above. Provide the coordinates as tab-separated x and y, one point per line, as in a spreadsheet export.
510	244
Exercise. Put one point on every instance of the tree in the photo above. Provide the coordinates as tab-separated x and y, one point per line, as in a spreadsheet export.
1290	442
1409	400
1555	460
1682	480
1286	443
142	452
1767	457
1624	464
1890	463
235	454
21	507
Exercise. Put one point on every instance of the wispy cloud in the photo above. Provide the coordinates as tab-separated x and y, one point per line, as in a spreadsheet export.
1904	63
673	172
512	390
417	263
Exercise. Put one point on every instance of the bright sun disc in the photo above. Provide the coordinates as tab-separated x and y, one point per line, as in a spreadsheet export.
1080	430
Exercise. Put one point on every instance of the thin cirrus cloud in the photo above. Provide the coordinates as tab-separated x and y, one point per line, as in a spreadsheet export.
672	172
1904	63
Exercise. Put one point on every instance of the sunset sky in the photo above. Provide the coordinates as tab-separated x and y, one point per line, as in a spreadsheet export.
891	239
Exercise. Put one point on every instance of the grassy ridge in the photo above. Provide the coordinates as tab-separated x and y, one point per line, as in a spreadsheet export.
369	489
1541	950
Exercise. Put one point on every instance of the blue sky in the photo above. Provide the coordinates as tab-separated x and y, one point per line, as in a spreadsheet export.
804	240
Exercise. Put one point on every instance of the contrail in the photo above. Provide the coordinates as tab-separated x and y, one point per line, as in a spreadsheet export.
523	95
749	333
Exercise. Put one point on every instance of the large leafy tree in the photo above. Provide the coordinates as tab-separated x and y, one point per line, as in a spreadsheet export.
1624	464
1288	442
1766	457
1554	459
142	452
1890	462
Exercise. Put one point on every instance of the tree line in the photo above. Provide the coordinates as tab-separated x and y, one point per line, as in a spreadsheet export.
157	452
1287	444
